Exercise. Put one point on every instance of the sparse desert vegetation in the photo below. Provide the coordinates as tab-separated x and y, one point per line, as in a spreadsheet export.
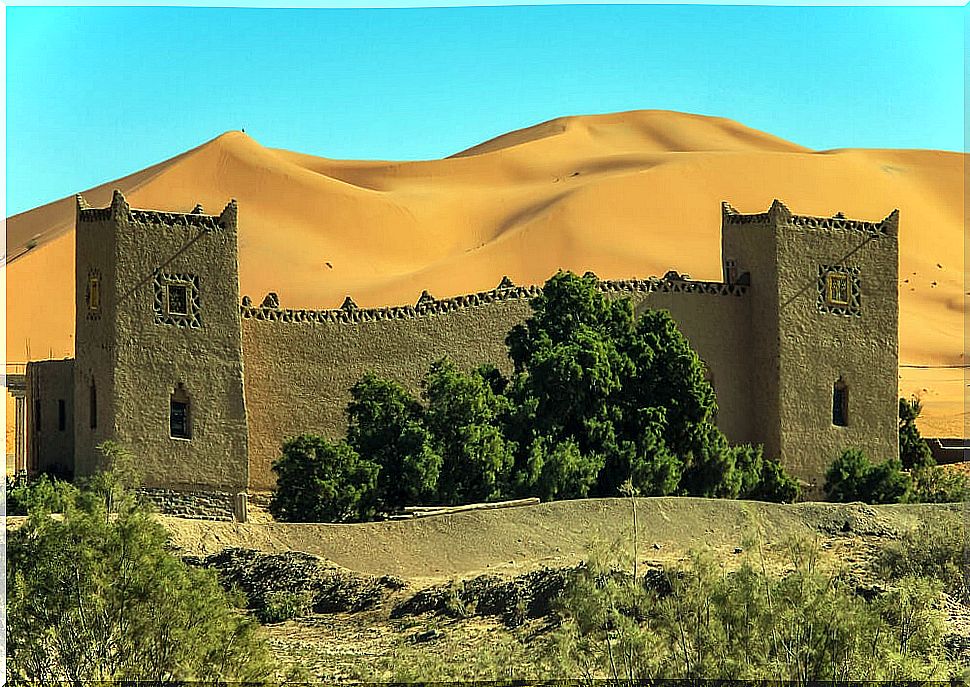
720	588
96	595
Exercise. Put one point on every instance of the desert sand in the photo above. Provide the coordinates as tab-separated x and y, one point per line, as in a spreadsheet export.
627	194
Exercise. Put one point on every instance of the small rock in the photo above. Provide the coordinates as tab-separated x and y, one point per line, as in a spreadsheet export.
738	549
427	635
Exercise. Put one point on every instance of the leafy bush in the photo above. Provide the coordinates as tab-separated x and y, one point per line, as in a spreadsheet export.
937	551
628	393
704	623
44	492
852	477
96	596
321	481
280	606
937	484
466	418
558	471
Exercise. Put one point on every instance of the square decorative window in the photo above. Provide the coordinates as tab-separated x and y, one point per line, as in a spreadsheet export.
93	295
177	300
838	290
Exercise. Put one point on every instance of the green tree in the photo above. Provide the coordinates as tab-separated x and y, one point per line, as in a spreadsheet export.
557	471
386	427
852	477
96	596
322	481
913	450
625	392
465	416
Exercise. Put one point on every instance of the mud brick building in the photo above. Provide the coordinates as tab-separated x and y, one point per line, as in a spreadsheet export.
800	338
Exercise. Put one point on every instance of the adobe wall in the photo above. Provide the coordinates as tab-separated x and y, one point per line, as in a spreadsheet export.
95	337
817	347
50	383
153	350
298	373
300	364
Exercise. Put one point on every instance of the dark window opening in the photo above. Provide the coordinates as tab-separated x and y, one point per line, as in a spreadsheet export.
93	406
36	414
61	415
178	299
840	404
180	426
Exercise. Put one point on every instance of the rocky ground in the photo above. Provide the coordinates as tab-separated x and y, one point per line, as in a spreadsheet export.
473	587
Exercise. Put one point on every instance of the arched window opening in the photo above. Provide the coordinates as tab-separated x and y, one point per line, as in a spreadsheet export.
180	419
93	405
840	404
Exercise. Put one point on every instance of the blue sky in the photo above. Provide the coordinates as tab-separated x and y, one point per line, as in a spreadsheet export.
96	93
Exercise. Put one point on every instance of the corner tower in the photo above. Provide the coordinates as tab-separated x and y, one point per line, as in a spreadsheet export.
824	355
158	354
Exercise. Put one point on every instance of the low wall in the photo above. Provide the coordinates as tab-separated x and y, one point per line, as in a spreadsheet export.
300	364
205	505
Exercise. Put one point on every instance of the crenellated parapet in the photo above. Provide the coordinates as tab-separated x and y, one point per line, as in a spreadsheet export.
120	211
349	312
779	215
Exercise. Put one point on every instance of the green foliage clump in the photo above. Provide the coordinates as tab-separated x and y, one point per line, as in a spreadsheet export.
95	595
852	477
913	451
626	393
466	415
936	551
45	492
387	427
321	481
280	606
937	484
557	471
705	623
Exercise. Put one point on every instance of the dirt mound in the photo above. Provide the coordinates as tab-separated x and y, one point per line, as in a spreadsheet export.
531	595
523	597
328	588
855	518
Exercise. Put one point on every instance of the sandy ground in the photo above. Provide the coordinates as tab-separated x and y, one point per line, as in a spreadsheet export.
517	540
438	550
628	194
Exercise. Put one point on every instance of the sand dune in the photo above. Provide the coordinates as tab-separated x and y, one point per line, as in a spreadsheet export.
628	194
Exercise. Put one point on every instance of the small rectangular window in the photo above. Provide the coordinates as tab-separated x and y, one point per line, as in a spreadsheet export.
180	420
61	415
840	406
178	299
